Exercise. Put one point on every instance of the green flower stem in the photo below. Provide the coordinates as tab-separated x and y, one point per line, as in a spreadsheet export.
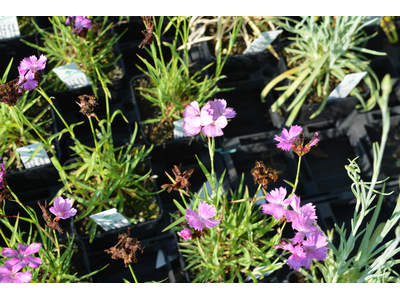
133	273
211	149
297	178
94	135
56	240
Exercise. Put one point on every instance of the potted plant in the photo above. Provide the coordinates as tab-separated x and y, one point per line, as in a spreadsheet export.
171	85
322	53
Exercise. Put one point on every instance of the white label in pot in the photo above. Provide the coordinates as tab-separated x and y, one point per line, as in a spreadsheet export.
110	219
72	76
346	86
178	130
263	41
9	27
41	158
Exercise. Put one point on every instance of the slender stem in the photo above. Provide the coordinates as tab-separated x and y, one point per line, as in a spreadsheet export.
94	135
211	147
297	178
56	241
133	273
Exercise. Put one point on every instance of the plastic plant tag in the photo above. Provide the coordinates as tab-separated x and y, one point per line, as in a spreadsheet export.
72	76
263	41
257	273
41	158
110	219
346	86
262	200
9	27
178	130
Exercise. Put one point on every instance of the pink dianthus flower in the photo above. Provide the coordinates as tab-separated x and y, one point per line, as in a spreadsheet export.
21	256
277	203
287	137
10	274
63	208
186	234
203	217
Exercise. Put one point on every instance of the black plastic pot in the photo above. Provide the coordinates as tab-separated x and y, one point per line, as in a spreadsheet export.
145	229
121	130
390	163
241	154
37	177
324	165
30	199
72	94
240	69
148	267
141	110
163	159
14	48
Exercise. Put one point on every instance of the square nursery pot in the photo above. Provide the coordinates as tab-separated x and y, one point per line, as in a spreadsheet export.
240	69
146	110
334	110
72	94
121	130
164	157
241	153
130	41
144	229
15	48
324	165
30	199
159	261
391	157
37	177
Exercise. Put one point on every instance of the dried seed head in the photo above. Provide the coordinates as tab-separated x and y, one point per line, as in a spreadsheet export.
87	105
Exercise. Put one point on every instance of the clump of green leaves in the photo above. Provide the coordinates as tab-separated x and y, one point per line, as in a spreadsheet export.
62	47
324	47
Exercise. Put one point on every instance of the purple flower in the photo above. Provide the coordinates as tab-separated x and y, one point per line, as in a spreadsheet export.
203	217
308	210
2	176
21	256
63	208
287	138
304	225
211	119
277	203
186	234
78	24
315	247
28	69
10	274
32	64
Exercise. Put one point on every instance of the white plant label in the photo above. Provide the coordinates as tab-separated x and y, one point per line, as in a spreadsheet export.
346	86
110	219
8	27
263	41
178	130
41	158
72	76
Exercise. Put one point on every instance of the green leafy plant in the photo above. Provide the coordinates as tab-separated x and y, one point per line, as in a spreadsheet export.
175	83
62	47
373	260
56	257
14	133
321	50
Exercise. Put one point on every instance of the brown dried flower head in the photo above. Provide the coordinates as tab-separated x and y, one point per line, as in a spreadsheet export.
87	105
125	248
181	179
11	91
263	175
5	194
148	33
297	145
50	221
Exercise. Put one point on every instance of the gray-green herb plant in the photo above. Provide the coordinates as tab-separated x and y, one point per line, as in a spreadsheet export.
373	260
323	50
